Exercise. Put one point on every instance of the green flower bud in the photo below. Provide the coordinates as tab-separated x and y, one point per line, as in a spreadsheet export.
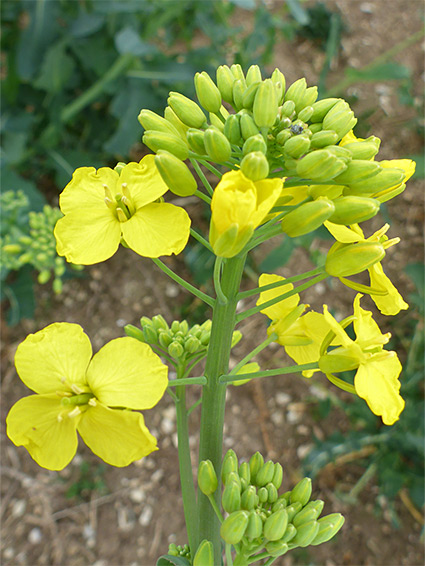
297	146
244	471
265	474
237	72
233	527
248	96
384	196
288	109
340	119
172	117
309	513
309	98
195	139
293	509
358	171
249	498
383	179
265	105
328	527
44	276
340	152
306	533
205	554
244	484
290	532
247	125
207	478
205	337
152	121
275	525
262	495
320	165
230	464
255	165
307	217
255	464
192	344
150	334
236	338
301	492
338	360
176	350
324	138
164	338
231	498
225	80
217	145
314	128
232	129
296	93
186	110
321	108
175	174
207	92
348	259
134	332
283	136
277	475
279	504
216	121
277	548
173	550
305	114
278	79
353	209
25	241
255	143
169	142
362	150
239	88
255	526
272	493
13	248
159	322
253	75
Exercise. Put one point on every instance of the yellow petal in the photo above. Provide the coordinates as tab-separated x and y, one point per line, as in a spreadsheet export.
86	189
407	165
343	234
157	229
54	358
252	367
88	236
268	191
33	422
377	383
144	181
391	303
367	331
282	308
341	336
126	373
117	436
294	194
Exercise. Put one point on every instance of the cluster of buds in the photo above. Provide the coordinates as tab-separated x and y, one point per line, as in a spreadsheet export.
179	550
179	340
27	239
259	520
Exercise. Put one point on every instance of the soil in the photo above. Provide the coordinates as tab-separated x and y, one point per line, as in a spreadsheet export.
132	514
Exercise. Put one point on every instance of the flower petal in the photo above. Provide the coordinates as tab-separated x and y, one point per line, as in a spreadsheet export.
367	331
391	303
33	422
127	373
157	229
86	190
144	181
88	236
54	358
117	436
343	234
282	308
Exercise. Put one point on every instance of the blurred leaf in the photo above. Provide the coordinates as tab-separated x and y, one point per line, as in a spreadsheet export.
419	158
20	295
86	24
56	69
244	4
117	6
278	257
297	12
200	261
11	181
128	41
14	146
169	560
382	72
64	162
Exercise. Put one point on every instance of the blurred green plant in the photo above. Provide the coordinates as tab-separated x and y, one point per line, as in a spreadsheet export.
90	479
395	455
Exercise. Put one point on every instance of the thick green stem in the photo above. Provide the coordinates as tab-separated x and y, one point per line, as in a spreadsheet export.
213	394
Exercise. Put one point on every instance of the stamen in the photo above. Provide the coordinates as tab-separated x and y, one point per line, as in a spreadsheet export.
121	215
76	389
74	413
108	193
92	402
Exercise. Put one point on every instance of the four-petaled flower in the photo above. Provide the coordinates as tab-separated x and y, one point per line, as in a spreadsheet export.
103	208
92	395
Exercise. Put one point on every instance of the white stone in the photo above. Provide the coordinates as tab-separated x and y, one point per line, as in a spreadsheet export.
35	535
146	516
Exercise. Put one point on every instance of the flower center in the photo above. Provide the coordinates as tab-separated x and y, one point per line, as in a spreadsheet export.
121	204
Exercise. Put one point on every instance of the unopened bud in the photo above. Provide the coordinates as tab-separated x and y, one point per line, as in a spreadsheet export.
164	338
340	119
207	478
244	471
275	525
309	513
262	495
277	475
338	360
230	464
358	171
255	166
255	464
321	108
272	493
195	139
207	92
277	548
249	498
162	140
265	105
283	136
192	344
324	138
205	554
354	209
362	150
306	533
307	217
278	79
152	121
233	527
309	98
172	117
253	75
175	174
217	145
175	349
328	528
44	276
231	498
239	88
265	474
159	322
187	110
320	165
255	526
232	129
384	179
225	80
348	259
255	143
297	146
237	72
134	332
301	492
248	96
305	114
296	93
248	126
150	334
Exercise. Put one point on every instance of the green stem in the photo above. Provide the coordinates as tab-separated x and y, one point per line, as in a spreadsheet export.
203	197
210	167
201	175
228	551
216	508
361	484
187	381
213	394
93	93
254	352
201	239
203	296
279	298
185	463
294	279
217	284
230	378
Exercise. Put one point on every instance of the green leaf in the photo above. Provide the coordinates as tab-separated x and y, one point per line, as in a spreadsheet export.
86	24
169	560
128	40
383	72
21	296
56	69
12	182
244	4
297	12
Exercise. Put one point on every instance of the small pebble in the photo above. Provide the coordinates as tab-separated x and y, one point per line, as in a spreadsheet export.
146	516
35	535
18	508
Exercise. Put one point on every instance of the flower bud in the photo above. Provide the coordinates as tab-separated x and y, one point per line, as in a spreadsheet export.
301	492
275	525
192	344
255	165
150	334
231	498
283	136
164	338
172	117
195	139
272	493
321	108
233	527
338	360
362	150
247	125
255	526
255	143
255	464
175	174
278	79
384	179
205	554
237	72
297	146
44	276
253	75
358	171
186	110
239	88
288	108
152	121
348	259
134	332
248	96
244	472
232	129
340	119
290	532
207	92
57	286
207	478
320	165
216	121
328	527
249	498
175	349
353	209
293	509
309	98
307	217
305	114
217	145
262	495
277	475
159	322
265	474
225	80
306	533
169	142
296	93
265	105
324	138
277	548
309	513
230	464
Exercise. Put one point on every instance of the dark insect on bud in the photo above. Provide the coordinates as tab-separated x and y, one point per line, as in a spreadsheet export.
297	129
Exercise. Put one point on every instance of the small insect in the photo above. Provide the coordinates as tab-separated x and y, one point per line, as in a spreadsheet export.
297	129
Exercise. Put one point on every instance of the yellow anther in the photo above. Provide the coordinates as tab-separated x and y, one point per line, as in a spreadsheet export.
74	413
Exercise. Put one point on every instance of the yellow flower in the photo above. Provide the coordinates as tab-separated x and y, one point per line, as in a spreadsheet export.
390	302
376	380
93	396
103	208
238	206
